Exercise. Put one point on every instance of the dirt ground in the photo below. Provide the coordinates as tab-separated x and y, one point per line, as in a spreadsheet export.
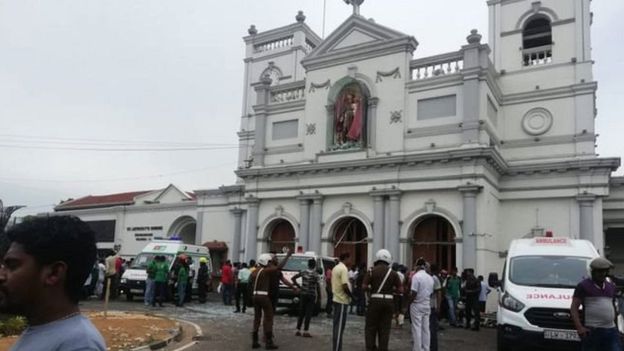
123	331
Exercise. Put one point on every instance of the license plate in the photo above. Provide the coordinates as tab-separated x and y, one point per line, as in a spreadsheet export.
569	335
284	301
136	291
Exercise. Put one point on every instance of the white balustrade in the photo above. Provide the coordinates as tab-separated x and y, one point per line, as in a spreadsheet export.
287	95
309	46
274	44
537	56
431	67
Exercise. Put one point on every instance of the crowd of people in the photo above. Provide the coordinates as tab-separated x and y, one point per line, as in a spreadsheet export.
48	259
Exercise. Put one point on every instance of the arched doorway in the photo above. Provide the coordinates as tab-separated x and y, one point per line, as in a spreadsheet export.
282	234
185	228
350	236
433	238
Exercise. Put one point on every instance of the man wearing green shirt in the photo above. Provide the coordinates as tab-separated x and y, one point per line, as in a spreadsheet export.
452	285
183	275
150	285
161	273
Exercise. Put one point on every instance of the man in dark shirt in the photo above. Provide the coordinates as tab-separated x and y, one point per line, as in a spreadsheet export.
597	296
382	283
310	295
202	279
472	290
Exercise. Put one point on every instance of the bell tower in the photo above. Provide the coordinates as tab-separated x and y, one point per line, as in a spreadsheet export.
542	53
549	33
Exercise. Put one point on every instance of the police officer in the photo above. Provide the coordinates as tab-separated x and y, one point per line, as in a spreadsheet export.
381	282
260	282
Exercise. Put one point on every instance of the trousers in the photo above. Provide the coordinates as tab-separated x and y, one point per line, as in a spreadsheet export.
306	308
602	339
419	316
473	311
263	312
150	286
378	323
242	290
433	330
340	319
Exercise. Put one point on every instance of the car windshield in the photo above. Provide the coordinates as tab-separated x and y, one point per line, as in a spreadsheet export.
143	259
296	263
548	271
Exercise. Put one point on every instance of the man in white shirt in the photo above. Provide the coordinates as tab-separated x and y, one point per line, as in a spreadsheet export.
420	306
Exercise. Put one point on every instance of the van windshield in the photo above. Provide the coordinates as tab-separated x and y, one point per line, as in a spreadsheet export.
144	259
548	271
295	263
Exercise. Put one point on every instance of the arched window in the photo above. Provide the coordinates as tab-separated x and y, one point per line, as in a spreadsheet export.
537	41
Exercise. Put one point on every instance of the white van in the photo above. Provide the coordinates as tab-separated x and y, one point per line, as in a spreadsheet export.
133	280
299	262
536	289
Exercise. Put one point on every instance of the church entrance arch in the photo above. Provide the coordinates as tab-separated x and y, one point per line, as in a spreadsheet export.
350	235
433	238
281	234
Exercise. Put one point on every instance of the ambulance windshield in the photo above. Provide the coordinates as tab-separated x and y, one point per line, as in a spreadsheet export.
144	259
548	271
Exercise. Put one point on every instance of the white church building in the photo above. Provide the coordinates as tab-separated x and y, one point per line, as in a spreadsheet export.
354	143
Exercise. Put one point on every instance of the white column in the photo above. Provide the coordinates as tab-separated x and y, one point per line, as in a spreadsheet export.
586	216
469	225
251	246
304	223
263	92
378	222
393	225
236	239
316	217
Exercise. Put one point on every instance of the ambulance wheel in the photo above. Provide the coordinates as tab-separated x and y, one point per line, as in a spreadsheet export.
129	297
501	343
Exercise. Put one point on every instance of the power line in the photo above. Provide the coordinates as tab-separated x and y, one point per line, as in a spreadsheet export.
126	149
189	171
47	139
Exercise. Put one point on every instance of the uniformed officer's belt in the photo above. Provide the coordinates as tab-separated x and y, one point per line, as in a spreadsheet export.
382	296
262	293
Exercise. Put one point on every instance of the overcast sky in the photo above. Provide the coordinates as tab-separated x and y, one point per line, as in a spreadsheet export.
145	74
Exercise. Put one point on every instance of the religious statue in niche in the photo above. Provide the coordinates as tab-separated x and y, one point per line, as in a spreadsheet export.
349	118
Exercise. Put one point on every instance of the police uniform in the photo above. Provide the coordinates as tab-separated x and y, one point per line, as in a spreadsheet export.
260	283
382	282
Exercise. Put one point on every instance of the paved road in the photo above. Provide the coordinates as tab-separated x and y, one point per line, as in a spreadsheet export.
225	330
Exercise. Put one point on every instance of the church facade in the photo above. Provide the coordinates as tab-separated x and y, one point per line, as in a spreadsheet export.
353	143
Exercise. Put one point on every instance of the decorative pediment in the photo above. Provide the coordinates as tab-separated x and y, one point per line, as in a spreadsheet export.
358	36
353	38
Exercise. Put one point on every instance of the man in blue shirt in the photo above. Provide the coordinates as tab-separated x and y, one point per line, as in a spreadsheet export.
41	275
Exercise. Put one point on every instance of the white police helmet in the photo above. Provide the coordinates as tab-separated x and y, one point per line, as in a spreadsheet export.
264	259
383	255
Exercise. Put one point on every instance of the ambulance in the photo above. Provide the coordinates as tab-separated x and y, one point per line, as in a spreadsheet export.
536	289
133	280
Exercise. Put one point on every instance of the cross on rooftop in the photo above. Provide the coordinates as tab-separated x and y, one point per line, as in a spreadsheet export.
356	5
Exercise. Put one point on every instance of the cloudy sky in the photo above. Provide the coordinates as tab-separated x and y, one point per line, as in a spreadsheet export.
79	78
